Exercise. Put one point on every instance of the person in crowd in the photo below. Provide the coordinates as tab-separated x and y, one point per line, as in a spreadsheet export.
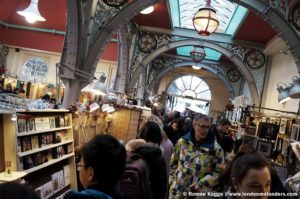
14	190
101	166
197	161
222	136
188	124
152	155
170	133
246	173
166	144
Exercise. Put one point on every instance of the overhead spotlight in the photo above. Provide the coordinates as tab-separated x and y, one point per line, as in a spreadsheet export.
196	67
14	117
147	10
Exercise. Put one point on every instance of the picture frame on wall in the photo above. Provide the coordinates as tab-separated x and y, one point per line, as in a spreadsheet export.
265	148
295	132
282	126
251	140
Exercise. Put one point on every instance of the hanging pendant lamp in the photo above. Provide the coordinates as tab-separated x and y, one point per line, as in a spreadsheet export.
205	20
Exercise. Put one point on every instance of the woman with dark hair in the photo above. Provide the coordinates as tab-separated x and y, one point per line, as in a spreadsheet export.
13	190
101	166
151	132
153	156
246	173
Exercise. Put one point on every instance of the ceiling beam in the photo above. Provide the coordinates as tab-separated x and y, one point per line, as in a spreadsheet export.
215	37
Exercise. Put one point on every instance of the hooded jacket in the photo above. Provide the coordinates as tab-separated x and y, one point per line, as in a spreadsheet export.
90	193
157	170
195	162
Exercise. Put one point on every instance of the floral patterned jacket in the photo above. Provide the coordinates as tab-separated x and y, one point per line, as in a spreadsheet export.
192	163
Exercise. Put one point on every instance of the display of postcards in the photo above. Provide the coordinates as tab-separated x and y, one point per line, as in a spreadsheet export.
285	145
282	127
21	125
67	175
39	191
55	183
67	121
30	124
268	131
61	121
52	122
47	190
27	162
35	142
43	140
61	179
26	144
278	144
289	124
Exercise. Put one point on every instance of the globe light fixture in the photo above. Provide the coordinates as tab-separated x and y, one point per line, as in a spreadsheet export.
196	67
32	13
198	54
205	21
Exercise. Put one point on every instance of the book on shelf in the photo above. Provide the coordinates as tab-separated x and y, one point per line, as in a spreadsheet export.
67	177
47	190
30	124
57	121
35	142
26	144
19	145
39	191
55	182
49	138
42	123
61	179
69	148
21	123
67	121
61	121
43	140
27	162
52	122
39	158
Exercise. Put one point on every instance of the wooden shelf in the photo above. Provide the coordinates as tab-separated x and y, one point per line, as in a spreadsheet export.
50	162
43	131
50	146
43	110
15	175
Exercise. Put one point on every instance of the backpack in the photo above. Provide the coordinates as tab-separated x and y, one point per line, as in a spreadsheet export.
134	183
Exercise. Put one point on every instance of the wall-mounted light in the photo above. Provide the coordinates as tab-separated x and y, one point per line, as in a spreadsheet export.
32	13
14	117
295	89
147	10
283	92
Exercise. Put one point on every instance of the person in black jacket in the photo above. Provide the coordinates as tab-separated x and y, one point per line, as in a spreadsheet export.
100	168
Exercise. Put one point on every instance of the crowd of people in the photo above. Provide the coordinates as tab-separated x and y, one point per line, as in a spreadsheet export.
184	157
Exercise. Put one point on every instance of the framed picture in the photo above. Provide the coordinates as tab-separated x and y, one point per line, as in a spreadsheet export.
295	132
278	144
264	148
296	149
285	145
251	140
282	126
268	131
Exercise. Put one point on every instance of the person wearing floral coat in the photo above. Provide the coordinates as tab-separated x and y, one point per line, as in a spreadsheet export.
197	161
